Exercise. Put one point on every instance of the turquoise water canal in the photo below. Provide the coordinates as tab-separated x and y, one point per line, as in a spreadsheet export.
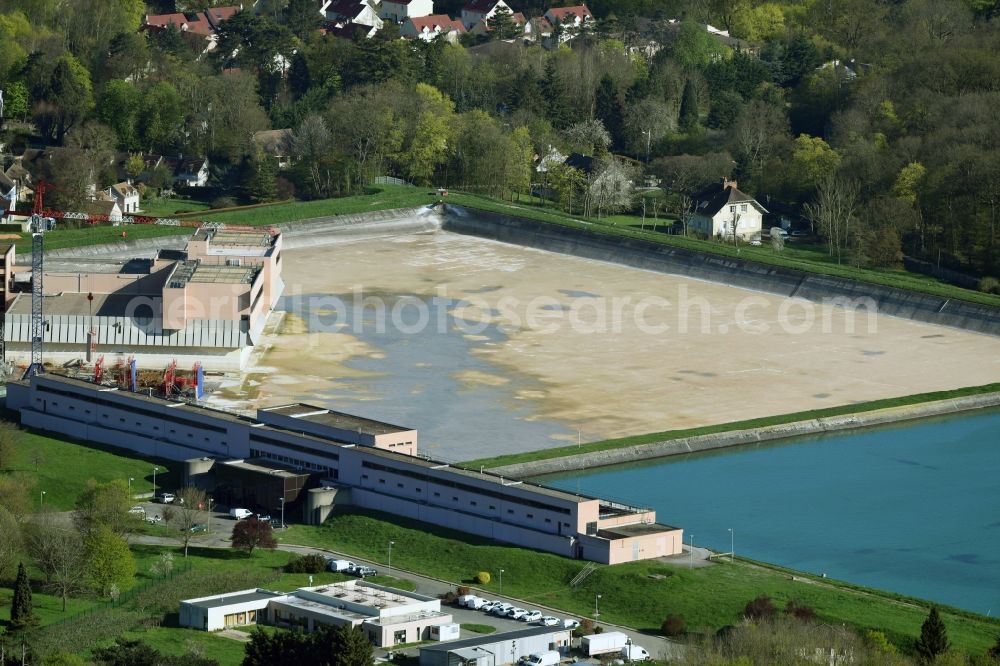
913	509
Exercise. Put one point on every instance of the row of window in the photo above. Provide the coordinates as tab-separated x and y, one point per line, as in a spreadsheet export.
264	439
743	208
121	420
427	478
132	409
288	460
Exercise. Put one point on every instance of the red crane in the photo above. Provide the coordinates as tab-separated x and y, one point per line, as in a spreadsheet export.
99	370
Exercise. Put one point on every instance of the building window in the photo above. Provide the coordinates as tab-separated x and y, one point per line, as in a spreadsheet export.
364	477
732	209
473	503
420	490
454	498
492	507
743	208
437	494
548	520
530	515
399	637
382	481
510	511
399	485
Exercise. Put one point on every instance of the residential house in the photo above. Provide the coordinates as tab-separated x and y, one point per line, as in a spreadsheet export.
343	14
571	20
189	171
126	196
480	10
518	18
202	24
401	10
277	144
429	28
103	207
22	179
537	29
722	209
8	193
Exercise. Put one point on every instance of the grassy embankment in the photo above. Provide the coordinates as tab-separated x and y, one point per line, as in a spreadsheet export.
632	594
622	442
802	256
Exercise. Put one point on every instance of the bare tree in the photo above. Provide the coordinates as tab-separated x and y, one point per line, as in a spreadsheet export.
777	239
10	545
833	212
59	553
758	130
187	511
683	175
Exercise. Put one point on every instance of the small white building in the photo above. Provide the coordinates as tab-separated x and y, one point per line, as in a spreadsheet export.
571	20
126	196
191	171
401	10
722	209
387	616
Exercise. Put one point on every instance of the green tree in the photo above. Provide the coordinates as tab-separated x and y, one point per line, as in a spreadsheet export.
756	24
161	116
608	109
262	174
302	18
327	646
502	25
694	47
70	95
10	544
105	505
428	143
119	109
933	637
136	653
21	612
558	108
813	160
15	100
111	564
688	116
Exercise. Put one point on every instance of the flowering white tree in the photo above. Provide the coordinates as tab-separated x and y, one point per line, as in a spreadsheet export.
610	188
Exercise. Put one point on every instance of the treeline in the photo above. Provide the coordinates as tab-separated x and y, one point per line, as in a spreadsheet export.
874	120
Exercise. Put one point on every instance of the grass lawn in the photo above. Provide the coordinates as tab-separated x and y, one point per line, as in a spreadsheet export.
605	445
168	207
709	598
99	235
479	628
181	641
62	468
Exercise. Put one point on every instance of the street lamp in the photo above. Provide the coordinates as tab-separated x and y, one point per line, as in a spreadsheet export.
130	480
282	500
41	500
597	610
691	553
155	470
209	521
391	544
501	582
732	547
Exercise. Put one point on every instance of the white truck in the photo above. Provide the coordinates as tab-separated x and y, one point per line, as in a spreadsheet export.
339	565
633	652
550	658
609	641
471	601
240	514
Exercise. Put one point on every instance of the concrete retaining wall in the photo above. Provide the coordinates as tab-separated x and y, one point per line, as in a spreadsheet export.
736	272
749	436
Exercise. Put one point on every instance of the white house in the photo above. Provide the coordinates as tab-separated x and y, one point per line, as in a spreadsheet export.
358	12
191	171
126	196
401	10
429	28
721	208
481	10
570	19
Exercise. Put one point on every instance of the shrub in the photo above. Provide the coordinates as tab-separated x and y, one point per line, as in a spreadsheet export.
674	625
989	285
585	629
483	577
761	608
312	563
449	597
598	629
800	611
223	202
462	590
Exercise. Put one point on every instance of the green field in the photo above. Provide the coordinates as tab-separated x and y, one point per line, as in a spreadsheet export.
99	235
168	207
62	467
622	442
632	594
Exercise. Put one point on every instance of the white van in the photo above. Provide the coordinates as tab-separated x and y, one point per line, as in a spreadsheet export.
550	658
240	514
340	565
471	601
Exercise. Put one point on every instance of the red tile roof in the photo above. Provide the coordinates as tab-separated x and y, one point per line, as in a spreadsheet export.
443	21
563	14
198	23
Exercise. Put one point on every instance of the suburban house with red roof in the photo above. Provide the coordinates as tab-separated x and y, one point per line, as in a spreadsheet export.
478	10
400	10
570	19
204	24
429	28
721	208
517	17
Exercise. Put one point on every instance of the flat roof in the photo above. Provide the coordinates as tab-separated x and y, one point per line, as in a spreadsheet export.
229	599
263	467
487	639
327	417
72	304
76	266
634	530
223	273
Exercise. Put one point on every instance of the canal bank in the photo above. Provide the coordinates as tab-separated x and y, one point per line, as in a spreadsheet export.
741	437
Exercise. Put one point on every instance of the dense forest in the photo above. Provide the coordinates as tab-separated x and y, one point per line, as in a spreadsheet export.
876	121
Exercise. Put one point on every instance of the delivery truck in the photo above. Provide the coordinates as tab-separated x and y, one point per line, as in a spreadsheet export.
609	641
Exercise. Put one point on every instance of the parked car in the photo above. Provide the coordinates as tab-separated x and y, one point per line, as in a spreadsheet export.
471	601
550	658
531	616
198	527
152	520
799	232
516	613
548	621
488	606
501	609
362	571
339	565
264	517
240	514
166	498
570	623
138	510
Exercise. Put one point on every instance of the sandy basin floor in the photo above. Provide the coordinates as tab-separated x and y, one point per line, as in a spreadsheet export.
606	350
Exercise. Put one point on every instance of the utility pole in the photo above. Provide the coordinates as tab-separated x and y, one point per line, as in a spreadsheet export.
37	323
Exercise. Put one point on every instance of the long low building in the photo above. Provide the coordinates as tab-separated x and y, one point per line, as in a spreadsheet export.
506	648
366	463
387	616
